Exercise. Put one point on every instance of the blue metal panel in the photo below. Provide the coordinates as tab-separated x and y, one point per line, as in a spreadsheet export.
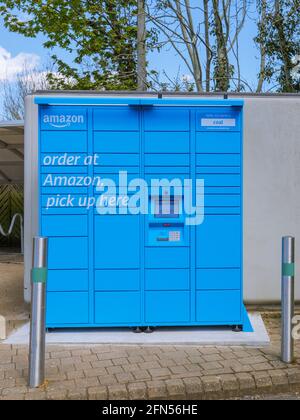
120	280
167	280
117	308
224	180
59	226
219	279
116	142
160	119
223	142
218	159
167	142
164	160
218	242
164	307
67	308
116	242
111	270
68	253
68	281
219	307
115	119
63	142
167	257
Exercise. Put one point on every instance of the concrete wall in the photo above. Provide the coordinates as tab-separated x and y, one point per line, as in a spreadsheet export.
271	192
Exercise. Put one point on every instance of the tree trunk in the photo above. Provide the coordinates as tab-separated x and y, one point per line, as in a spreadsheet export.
263	6
141	47
222	67
283	43
207	42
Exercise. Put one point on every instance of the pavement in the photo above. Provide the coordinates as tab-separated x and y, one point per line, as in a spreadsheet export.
101	372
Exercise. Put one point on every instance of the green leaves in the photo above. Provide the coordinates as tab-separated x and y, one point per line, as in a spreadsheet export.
100	37
279	34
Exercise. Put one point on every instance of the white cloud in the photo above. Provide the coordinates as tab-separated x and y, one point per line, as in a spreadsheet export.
11	66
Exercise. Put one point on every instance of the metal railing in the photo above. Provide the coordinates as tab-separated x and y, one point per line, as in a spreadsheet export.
11	228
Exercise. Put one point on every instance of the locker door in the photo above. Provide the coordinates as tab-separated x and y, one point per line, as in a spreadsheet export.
117	282
66	228
167	265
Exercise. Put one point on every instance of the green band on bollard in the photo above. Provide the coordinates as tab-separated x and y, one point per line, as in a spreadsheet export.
288	270
39	275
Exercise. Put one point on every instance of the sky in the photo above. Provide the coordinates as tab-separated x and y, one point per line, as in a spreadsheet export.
17	51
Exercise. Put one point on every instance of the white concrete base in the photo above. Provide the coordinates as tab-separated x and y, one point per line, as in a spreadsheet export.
162	336
2	328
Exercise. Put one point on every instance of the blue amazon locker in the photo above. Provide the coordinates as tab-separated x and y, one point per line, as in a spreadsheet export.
117	267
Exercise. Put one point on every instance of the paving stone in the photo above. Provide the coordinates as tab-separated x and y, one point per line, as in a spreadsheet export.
129	368
279	377
76	374
56	395
14	390
246	381
7	383
175	389
90	373
117	392
124	378
149	365
293	375
211	366
252	360
77	394
137	391
157	390
160	372
98	393
60	354
229	383
86	382
81	352
211	385
13	374
167	363
263	381
208	350
262	366
114	369
213	358
107	380
141	375
193	388
36	396
102	364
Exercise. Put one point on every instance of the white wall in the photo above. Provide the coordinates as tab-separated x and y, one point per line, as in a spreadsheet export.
271	192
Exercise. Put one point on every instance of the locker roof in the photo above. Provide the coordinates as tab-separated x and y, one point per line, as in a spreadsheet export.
131	101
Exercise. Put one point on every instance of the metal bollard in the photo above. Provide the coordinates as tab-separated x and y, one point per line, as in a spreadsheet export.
38	313
288	298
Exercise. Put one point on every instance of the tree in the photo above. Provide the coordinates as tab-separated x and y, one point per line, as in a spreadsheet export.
279	40
99	37
205	36
141	47
14	93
